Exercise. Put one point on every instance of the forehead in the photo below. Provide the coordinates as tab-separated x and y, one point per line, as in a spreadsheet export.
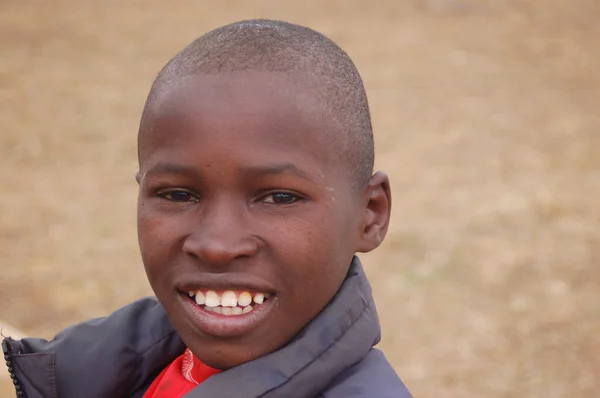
239	113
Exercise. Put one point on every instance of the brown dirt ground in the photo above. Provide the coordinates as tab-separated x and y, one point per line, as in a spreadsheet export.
486	118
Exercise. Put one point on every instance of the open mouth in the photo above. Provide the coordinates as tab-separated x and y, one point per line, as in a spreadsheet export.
229	302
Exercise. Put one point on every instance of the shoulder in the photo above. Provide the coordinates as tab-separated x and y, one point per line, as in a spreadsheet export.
373	377
146	313
127	347
136	326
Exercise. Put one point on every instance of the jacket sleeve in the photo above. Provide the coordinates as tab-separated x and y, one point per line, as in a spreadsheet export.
104	357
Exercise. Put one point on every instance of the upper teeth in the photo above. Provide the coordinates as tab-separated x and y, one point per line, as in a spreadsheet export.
212	299
228	298
244	299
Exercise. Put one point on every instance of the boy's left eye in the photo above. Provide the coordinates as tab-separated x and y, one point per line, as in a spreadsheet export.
280	198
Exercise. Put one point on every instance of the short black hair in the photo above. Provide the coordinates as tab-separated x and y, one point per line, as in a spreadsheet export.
277	46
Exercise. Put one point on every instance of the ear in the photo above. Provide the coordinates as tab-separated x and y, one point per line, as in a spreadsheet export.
138	177
376	216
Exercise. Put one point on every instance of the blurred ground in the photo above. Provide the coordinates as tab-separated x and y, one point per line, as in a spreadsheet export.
486	118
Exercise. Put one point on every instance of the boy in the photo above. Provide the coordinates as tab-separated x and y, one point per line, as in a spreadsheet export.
255	192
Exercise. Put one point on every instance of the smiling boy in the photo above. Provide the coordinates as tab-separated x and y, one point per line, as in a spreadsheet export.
255	192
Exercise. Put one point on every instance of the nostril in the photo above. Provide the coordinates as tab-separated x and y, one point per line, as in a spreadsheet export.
218	250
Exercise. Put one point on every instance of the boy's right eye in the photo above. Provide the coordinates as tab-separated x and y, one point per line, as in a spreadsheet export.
179	196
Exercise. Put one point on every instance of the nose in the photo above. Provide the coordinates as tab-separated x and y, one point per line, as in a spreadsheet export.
221	236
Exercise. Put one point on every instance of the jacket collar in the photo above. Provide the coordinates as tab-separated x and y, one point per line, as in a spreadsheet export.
336	339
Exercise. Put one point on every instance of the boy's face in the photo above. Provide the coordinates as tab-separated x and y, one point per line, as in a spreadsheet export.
240	196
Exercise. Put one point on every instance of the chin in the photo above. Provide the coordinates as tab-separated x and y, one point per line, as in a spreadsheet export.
226	358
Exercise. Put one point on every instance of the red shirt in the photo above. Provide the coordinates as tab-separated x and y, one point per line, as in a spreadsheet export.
180	377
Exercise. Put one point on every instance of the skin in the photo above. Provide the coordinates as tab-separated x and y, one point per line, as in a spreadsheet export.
237	182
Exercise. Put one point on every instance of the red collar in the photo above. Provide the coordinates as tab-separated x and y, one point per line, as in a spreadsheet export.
180	377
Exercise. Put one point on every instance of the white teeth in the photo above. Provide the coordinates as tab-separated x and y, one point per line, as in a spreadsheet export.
245	299
228	299
227	303
227	310
236	311
199	297
212	299
247	309
259	298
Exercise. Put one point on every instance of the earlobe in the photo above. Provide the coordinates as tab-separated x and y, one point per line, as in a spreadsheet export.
138	177
377	213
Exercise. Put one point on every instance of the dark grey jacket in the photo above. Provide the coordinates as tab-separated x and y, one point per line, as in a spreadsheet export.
119	356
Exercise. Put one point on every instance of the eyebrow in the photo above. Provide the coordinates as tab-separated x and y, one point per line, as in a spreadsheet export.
171	168
249	171
276	169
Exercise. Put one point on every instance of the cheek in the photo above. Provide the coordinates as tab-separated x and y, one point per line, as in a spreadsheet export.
157	237
316	250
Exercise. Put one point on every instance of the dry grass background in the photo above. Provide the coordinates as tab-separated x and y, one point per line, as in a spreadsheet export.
486	118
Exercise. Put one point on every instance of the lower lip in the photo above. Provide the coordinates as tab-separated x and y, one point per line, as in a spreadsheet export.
220	325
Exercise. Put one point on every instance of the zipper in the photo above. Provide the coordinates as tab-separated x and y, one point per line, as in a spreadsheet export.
13	376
